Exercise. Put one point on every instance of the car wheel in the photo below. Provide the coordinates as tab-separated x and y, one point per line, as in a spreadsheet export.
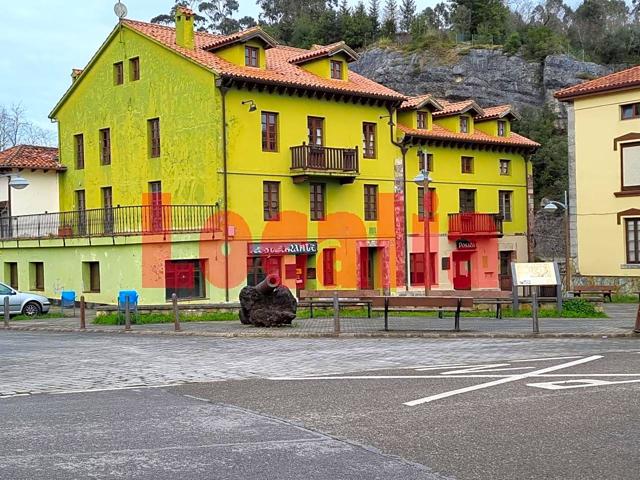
31	309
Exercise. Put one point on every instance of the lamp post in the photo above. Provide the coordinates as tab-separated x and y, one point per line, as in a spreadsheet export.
552	206
423	180
17	182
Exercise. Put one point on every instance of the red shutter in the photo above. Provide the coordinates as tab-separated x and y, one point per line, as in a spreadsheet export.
328	262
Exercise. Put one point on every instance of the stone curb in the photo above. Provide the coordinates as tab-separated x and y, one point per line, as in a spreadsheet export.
275	334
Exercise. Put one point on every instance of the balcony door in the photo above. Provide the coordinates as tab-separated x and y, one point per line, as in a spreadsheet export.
155	193
107	206
81	207
315	130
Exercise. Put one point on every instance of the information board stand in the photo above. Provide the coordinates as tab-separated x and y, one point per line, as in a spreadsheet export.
535	275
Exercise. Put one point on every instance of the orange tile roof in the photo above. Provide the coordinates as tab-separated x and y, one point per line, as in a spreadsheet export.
31	156
319	51
419	101
453	108
616	81
440	133
499	111
247	34
279	69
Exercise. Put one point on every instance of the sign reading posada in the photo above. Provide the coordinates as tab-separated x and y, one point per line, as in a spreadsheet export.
283	248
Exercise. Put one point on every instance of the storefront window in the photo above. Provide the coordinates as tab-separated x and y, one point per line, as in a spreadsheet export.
259	267
185	278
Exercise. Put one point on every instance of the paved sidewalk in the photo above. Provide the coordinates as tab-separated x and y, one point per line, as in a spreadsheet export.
620	323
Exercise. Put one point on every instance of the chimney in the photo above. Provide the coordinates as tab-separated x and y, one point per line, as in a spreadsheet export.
184	28
75	73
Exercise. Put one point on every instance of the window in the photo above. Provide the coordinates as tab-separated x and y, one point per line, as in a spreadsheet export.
252	56
505	167
421	158
464	124
369	140
36	276
269	132
630	153
153	131
317	191
134	69
466	164
185	278
81	207
504	198
105	146
328	266
416	267
432	197
502	128
259	267
632	110
271	200
107	205
118	73
336	70
91	276
315	130
467	201
633	240
370	202
422	120
79	151
11	274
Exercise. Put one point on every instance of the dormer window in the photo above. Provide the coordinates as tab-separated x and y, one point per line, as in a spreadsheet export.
502	128
422	120
336	70
252	56
464	124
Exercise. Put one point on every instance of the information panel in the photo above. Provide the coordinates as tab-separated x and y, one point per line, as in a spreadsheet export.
535	274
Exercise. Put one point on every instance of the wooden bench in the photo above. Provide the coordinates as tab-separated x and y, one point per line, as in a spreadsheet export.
605	290
454	304
345	297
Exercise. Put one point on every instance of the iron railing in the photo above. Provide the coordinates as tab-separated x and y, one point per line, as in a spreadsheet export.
315	157
475	224
115	221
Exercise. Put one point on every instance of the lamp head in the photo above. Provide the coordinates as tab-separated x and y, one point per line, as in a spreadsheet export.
252	105
550	207
18	182
420	178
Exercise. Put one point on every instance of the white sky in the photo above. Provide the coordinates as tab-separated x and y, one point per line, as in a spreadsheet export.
42	40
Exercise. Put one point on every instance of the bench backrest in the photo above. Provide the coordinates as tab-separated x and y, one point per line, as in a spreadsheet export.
311	294
433	302
596	288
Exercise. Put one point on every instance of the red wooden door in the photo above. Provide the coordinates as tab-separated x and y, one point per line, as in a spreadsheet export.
364	269
461	271
301	272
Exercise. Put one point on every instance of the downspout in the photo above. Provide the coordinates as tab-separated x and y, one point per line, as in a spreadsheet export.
403	150
225	186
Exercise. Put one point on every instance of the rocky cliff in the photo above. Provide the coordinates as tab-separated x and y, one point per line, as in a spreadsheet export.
489	76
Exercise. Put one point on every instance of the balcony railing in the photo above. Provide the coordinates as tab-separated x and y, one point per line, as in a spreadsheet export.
115	221
475	225
324	159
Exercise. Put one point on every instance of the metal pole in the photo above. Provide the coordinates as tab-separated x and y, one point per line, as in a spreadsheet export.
637	327
6	311
83	324
426	204
336	313
176	313
534	309
127	313
567	244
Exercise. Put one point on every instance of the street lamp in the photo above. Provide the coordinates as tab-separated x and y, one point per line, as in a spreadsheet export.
423	180
551	206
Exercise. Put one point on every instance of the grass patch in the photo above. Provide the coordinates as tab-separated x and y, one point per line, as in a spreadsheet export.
147	318
37	317
625	298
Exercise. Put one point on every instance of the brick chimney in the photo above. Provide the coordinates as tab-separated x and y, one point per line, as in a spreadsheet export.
184	28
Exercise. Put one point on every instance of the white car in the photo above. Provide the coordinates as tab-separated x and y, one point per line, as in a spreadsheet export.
28	304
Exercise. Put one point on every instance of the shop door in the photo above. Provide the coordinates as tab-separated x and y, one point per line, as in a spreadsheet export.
461	271
301	272
367	268
505	270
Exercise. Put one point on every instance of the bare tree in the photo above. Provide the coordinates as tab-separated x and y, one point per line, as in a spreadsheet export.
16	129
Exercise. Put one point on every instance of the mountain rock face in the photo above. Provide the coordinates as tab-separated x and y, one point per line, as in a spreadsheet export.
489	76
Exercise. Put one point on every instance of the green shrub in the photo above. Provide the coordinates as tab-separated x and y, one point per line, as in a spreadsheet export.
578	307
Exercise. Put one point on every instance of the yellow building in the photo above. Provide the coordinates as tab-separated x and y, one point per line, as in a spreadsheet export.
604	179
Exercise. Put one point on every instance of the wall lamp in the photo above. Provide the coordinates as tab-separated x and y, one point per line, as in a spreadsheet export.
252	105
390	119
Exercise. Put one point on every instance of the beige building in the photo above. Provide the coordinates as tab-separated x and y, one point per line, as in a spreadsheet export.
604	179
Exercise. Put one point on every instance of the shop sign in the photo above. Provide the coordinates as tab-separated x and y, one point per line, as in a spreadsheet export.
283	248
464	244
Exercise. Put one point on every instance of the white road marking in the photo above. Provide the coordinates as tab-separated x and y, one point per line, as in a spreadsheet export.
501	381
546	359
382	377
438	367
486	368
566	384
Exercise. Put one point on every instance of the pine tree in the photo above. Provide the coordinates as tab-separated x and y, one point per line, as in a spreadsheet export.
390	19
407	14
374	16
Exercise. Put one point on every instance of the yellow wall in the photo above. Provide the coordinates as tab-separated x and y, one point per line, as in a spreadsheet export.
601	241
322	66
453	123
236	53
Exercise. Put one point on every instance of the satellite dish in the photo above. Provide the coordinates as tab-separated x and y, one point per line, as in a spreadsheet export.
120	9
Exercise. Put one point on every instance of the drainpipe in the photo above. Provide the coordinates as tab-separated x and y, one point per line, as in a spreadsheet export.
403	150
225	186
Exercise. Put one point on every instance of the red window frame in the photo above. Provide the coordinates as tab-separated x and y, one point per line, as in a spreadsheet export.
269	132
369	140
432	198
328	266
271	200
251	56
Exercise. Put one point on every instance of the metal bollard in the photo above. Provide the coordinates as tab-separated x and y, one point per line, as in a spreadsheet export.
534	311
336	313
637	329
127	314
83	319
176	313
6	312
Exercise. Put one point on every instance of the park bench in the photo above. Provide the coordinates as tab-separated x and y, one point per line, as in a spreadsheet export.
452	304
345	297
605	290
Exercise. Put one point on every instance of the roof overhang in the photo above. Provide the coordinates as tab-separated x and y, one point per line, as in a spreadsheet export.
255	33
429	102
326	51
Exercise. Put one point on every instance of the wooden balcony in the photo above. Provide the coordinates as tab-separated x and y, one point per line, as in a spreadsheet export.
309	161
475	225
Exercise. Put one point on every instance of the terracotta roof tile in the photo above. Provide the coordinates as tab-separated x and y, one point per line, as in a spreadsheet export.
319	51
499	111
615	81
440	133
453	108
279	69
249	33
31	156
419	101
